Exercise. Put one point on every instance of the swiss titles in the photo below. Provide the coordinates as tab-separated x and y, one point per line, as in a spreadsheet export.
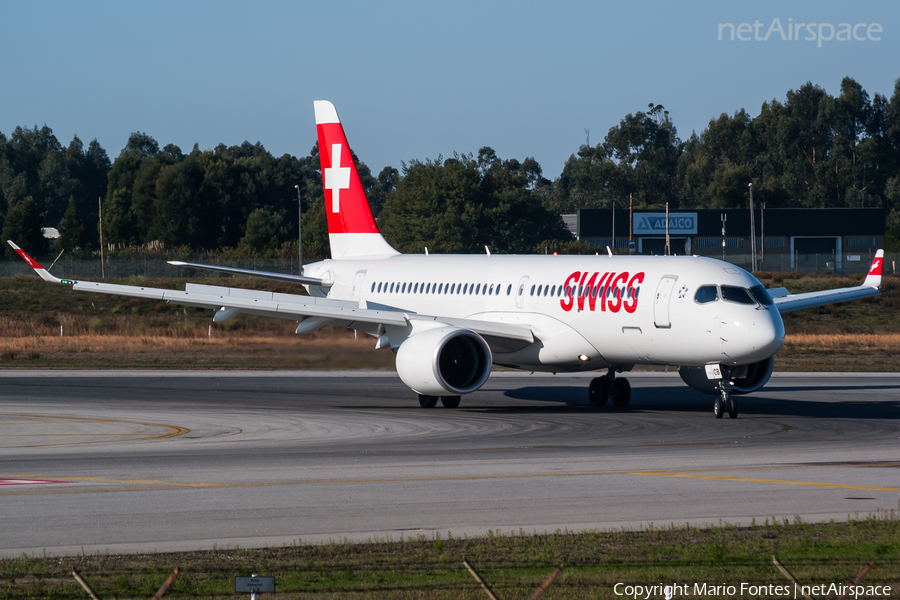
609	291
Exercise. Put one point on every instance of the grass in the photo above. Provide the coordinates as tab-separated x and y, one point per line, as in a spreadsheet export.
102	331
513	564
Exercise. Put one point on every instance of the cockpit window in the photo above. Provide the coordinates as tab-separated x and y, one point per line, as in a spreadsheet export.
706	293
740	295
761	295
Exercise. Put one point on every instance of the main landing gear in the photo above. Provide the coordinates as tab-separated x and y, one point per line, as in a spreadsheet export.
724	402
609	387
431	401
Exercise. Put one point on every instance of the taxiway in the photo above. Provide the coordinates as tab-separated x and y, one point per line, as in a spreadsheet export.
152	462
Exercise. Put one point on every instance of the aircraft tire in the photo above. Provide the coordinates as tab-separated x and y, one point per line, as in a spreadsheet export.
427	401
732	408
450	401
621	392
598	391
719	408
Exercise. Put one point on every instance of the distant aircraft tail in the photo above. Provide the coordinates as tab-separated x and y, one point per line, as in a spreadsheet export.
352	231
873	279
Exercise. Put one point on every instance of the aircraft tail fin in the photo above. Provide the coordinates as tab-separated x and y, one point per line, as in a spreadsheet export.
352	231
873	279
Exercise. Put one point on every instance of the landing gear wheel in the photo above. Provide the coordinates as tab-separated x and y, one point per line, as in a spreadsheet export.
732	408
719	408
450	401
427	401
598	391
621	392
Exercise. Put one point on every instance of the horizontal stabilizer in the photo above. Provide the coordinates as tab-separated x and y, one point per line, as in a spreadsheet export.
250	273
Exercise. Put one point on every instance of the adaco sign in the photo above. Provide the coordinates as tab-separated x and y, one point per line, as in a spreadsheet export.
655	223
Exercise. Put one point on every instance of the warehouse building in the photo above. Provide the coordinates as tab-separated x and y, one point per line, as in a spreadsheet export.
840	240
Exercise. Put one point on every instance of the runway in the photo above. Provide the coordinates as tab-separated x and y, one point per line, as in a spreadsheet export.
155	462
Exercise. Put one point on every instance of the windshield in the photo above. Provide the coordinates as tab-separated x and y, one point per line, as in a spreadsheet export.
732	293
761	295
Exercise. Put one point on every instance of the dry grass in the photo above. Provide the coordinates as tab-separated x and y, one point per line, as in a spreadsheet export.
195	349
811	341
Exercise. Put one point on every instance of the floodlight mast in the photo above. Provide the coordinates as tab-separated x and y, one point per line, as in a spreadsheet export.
752	233
299	229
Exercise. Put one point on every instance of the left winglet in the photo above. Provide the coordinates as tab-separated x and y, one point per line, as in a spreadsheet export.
34	265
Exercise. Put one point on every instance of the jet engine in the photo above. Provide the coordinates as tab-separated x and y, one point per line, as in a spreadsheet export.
744	378
447	361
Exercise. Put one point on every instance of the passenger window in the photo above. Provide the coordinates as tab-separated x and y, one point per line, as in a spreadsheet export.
532	290
761	295
736	294
508	289
706	293
478	289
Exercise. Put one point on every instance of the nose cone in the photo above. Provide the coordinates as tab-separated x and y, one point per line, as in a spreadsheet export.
766	334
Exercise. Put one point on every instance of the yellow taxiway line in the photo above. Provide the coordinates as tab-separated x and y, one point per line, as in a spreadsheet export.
146	485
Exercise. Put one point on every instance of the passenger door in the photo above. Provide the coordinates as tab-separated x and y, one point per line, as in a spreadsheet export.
661	303
520	292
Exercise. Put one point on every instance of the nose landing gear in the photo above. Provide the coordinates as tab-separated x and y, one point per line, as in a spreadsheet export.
724	402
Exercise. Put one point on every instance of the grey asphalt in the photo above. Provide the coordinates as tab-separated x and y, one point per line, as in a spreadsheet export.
154	462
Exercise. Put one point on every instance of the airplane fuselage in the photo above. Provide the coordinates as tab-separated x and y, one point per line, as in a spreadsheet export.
589	312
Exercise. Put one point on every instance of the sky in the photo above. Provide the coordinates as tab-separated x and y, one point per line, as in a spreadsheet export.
417	80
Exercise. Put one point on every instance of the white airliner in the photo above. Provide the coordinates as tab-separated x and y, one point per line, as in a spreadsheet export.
448	318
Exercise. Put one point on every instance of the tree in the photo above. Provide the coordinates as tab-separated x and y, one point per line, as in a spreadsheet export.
71	229
23	226
264	232
461	204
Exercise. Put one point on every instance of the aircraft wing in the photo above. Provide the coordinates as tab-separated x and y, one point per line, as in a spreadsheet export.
787	302
311	312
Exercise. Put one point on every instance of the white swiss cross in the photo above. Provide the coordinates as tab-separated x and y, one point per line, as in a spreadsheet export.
337	178
876	265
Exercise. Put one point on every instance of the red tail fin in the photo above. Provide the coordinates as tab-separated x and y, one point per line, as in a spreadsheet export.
352	231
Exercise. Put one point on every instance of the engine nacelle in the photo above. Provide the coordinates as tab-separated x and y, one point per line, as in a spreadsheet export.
447	361
744	378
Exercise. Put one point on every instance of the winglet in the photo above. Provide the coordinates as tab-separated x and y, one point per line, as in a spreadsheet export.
34	265
873	279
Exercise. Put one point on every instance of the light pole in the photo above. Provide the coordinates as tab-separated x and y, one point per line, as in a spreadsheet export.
299	229
752	232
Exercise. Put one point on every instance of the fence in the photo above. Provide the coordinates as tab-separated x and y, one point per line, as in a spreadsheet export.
118	268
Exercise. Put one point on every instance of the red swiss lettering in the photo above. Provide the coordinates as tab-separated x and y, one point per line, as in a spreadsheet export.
568	300
631	304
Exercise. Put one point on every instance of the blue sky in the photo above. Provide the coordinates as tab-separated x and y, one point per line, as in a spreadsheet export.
412	80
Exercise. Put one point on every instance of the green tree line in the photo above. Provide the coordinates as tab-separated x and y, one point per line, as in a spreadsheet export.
811	149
